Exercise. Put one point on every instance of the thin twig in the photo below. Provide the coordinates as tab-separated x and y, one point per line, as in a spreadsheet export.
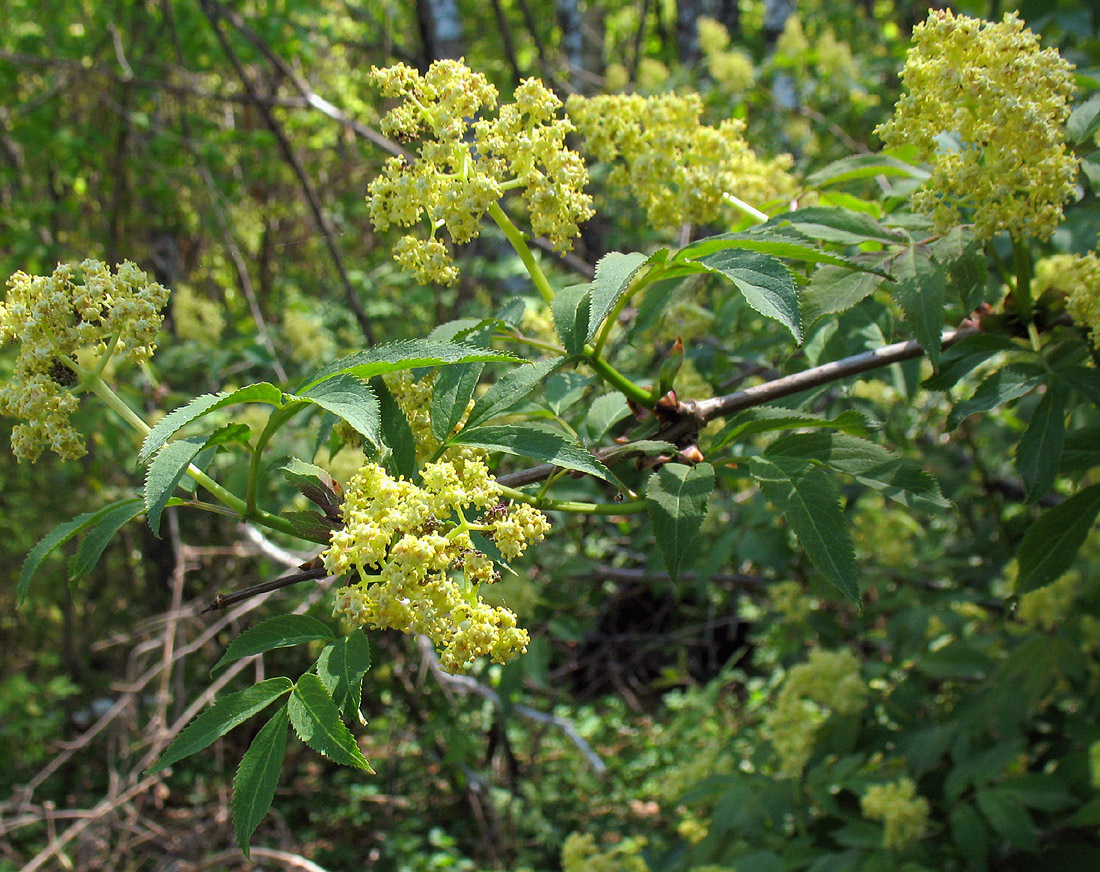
464	684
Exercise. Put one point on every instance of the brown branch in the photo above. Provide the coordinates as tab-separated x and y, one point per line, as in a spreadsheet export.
224	600
692	415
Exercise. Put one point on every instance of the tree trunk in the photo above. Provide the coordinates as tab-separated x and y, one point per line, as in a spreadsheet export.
440	29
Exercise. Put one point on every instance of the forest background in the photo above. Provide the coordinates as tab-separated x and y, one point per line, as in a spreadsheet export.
732	712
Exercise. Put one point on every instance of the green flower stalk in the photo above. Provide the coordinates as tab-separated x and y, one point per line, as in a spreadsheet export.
987	108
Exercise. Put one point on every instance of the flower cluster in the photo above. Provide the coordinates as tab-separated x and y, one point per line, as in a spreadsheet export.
733	70
987	108
679	169
1078	277
465	163
419	569
55	317
829	681
897	805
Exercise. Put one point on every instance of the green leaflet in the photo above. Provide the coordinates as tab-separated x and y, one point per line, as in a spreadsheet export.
59	535
863	166
764	281
164	473
203	405
835	289
341	668
964	356
839	225
512	387
614	273
316	720
1039	453
351	399
676	499
1052	542
257	777
767	419
537	441
225	714
282	631
571	309
1007	383
919	290
406	354
99	535
897	478
808	499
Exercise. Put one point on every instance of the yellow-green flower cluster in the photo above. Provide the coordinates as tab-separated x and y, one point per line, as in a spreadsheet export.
419	570
679	169
987	108
733	70
902	811
465	163
580	853
53	318
829	681
1078	277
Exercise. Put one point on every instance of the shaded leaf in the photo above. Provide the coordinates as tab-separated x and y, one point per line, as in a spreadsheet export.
538	442
676	499
808	499
1051	543
1039	453
164	473
99	535
839	225
571	308
833	289
614	273
863	166
512	387
765	282
1007	383
351	400
257	777
965	355
919	290
767	419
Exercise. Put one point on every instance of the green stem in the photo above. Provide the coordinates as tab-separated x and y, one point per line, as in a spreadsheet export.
617	380
515	237
274	422
114	402
633	507
754	213
1021	257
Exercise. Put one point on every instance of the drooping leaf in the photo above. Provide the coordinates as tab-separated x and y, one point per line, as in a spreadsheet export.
258	776
164	473
512	387
919	290
808	499
349	399
314	483
341	668
963	356
203	405
768	419
1084	121
311	526
771	239
59	535
863	166
405	354
451	393
963	255
1007	383
898	478
281	631
676	499
537	441
396	432
1083	379
571	309
99	535
1008	818
226	713
834	289
316	720
839	225
764	282
230	433
1039	453
1051	543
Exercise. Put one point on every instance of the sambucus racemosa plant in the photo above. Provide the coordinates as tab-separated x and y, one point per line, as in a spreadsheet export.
417	531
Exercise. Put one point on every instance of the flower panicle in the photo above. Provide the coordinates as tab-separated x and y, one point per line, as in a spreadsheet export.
53	318
418	566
